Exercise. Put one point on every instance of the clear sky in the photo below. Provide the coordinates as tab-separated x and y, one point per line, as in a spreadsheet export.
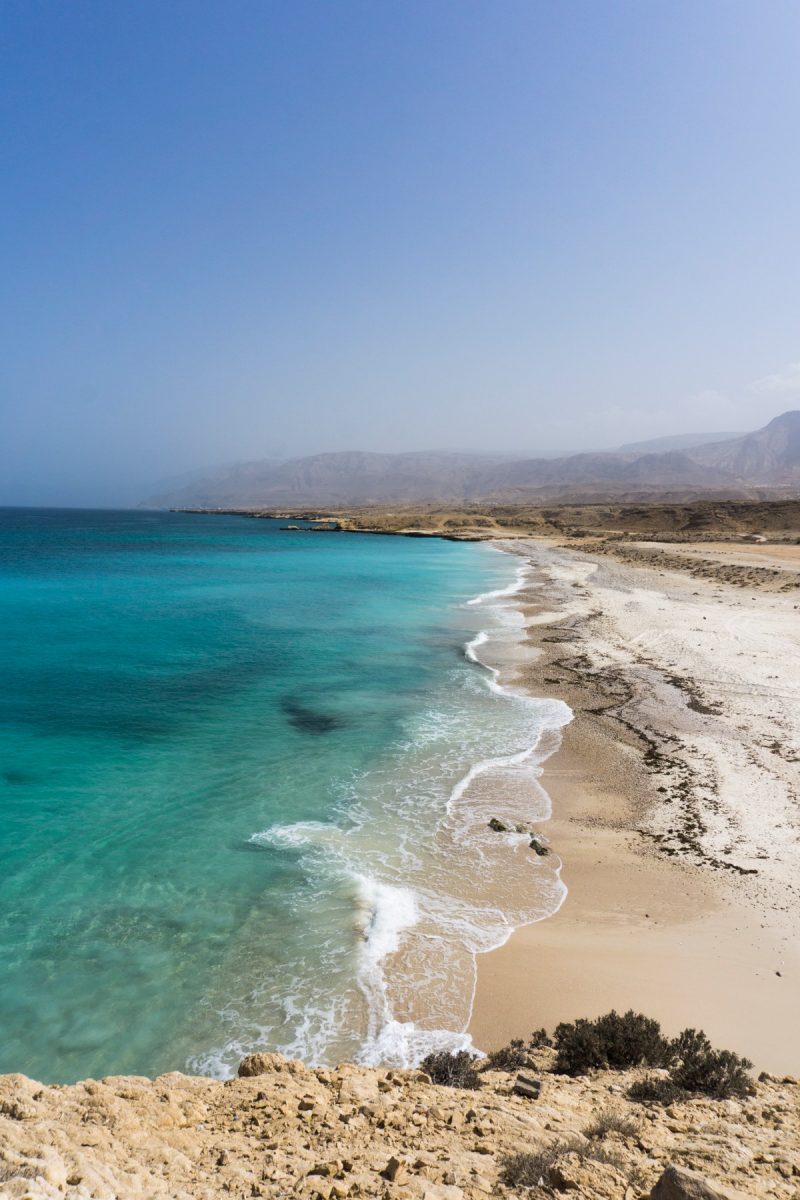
232	230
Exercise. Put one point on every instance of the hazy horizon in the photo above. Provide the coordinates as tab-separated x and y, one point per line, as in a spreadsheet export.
238	232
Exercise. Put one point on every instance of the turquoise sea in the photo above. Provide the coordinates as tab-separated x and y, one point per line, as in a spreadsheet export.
244	782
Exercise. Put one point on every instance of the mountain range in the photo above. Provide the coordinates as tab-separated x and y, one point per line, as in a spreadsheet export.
767	459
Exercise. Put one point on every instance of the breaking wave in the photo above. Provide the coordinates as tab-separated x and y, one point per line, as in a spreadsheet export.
408	883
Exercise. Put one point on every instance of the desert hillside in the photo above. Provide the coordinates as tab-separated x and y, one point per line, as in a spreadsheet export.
659	520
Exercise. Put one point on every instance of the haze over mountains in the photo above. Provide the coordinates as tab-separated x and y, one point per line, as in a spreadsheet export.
731	465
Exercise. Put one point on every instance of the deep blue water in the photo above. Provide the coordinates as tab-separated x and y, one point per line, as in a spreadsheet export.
173	685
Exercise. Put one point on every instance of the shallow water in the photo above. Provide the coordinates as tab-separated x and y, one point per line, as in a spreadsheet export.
245	776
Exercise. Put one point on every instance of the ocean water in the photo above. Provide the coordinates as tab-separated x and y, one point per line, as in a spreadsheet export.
245	779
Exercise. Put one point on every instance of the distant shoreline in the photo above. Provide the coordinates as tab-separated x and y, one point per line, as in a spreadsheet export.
330	524
730	541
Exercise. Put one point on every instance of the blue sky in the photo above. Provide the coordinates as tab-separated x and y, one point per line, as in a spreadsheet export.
231	230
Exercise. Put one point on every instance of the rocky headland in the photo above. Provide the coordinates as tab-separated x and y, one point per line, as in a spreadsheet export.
283	1129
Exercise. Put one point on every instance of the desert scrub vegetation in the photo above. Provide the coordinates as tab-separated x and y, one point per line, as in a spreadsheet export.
655	1089
615	1042
517	1054
531	1168
539	1039
538	1168
513	1057
452	1070
698	1067
633	1040
611	1041
611	1120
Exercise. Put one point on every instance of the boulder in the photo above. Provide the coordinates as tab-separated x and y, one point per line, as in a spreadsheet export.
396	1171
525	1086
600	1180
498	826
268	1064
679	1183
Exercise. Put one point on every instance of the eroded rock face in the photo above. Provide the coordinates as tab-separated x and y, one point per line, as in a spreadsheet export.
285	1130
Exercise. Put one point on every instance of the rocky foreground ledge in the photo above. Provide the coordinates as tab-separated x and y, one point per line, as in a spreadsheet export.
283	1129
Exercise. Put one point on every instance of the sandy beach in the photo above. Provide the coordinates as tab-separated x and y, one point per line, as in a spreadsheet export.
676	806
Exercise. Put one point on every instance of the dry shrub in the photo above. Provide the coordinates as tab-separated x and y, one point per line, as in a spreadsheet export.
452	1070
611	1120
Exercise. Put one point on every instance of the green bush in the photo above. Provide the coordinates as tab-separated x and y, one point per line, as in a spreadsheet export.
698	1067
452	1070
609	1041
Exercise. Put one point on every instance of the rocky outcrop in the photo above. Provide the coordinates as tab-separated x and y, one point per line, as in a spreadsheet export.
678	1183
285	1130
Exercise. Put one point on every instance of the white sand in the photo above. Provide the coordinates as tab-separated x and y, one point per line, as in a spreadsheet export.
711	675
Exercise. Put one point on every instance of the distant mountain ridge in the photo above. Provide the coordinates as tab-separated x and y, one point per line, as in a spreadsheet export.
767	458
770	455
345	477
676	441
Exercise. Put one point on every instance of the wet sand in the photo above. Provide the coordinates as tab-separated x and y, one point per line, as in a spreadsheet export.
675	799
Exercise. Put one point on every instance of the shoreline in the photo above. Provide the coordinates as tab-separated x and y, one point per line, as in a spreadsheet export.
283	1128
669	916
497	896
500	681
